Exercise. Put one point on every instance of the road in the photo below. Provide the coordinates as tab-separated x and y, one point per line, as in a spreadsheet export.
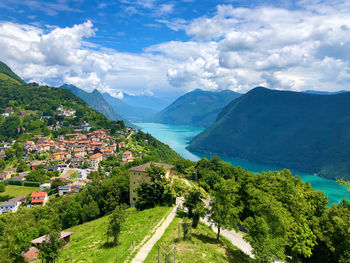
233	236
131	133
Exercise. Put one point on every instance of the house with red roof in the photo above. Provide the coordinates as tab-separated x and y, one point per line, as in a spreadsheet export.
107	153
80	152
95	161
126	155
39	198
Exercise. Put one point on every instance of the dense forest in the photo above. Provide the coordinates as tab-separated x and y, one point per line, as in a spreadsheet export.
301	131
283	217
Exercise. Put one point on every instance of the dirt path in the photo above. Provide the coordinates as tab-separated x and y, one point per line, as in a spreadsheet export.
146	248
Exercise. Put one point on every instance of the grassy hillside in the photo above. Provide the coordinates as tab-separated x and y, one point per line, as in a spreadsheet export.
5	70
295	130
17	190
196	108
87	243
203	247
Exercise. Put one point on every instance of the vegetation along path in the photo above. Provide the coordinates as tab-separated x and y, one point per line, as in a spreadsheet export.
146	248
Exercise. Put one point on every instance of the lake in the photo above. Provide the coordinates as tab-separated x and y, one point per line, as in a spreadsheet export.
178	138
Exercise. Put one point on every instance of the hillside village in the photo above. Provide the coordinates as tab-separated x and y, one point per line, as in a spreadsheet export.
70	154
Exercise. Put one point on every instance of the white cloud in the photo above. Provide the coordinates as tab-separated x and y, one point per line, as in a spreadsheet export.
165	9
238	49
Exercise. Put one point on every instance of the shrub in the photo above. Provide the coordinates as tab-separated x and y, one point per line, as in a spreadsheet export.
33	184
15	182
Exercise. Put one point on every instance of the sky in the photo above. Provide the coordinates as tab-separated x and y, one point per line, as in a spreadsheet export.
166	48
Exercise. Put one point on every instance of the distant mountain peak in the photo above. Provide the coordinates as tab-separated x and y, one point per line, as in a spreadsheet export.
96	101
196	108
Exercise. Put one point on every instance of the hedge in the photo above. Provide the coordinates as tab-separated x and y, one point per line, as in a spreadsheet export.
34	184
15	182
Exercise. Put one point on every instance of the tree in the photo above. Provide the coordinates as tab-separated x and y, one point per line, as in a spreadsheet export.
333	243
223	208
49	249
22	167
158	192
346	183
37	176
2	187
71	214
2	165
115	224
90	211
9	129
17	230
195	205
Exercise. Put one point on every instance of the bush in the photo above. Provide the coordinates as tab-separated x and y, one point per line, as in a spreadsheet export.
5	197
2	187
15	182
33	184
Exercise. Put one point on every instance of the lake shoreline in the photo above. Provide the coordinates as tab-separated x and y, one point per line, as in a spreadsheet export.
178	138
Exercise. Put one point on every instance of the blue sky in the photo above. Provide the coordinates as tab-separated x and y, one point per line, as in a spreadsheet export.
127	25
167	48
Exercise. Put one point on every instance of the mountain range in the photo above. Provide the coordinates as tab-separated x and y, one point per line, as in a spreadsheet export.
95	100
132	113
196	108
306	132
145	101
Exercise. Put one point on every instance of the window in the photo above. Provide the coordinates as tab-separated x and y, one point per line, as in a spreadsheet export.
133	191
134	199
134	173
139	174
134	183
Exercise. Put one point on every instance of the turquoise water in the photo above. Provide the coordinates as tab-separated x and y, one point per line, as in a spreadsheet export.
178	138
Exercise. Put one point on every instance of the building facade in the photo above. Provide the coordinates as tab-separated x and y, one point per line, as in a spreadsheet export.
138	175
95	161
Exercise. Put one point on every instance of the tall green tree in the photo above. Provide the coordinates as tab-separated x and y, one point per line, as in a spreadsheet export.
195	205
90	211
224	209
115	224
158	192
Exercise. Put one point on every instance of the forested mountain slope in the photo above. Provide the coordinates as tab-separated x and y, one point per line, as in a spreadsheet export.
96	101
196	108
307	132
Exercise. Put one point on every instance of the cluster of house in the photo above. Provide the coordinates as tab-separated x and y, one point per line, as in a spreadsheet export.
12	205
65	112
76	147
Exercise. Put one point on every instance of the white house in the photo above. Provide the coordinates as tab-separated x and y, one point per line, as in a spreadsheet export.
45	186
9	206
